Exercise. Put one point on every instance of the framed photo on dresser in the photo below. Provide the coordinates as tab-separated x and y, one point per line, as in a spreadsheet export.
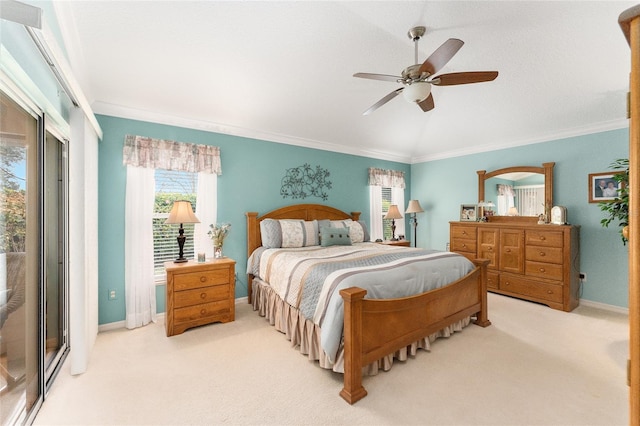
468	212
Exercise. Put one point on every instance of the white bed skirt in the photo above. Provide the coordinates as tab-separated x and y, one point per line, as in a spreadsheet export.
305	335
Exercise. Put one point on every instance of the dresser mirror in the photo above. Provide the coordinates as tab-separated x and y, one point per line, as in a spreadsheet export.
522	191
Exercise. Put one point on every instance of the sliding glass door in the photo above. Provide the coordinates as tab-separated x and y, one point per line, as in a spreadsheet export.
33	259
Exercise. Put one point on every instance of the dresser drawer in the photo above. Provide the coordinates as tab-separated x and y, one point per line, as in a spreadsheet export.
535	289
551	271
544	238
203	311
544	254
201	295
208	278
464	245
463	232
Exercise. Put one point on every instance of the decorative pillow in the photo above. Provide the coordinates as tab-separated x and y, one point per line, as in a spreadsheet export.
335	237
357	230
299	233
365	231
271	233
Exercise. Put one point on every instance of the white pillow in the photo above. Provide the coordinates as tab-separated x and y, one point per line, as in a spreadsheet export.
299	233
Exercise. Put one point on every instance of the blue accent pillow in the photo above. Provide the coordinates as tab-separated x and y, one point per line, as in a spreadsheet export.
271	233
334	237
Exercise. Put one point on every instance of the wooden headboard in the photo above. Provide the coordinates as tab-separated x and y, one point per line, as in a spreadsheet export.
296	211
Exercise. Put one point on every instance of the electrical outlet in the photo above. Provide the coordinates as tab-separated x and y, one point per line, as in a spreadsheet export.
112	294
583	277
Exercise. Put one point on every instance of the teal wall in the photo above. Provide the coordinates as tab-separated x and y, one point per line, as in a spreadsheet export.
442	185
251	174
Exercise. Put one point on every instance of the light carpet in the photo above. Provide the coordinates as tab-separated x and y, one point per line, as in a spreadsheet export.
533	366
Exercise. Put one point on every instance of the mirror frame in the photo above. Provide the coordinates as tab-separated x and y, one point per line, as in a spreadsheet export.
546	170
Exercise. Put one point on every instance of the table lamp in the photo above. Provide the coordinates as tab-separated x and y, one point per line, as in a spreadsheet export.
393	213
181	212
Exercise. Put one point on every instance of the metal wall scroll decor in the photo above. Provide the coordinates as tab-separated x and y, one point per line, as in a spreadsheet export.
304	181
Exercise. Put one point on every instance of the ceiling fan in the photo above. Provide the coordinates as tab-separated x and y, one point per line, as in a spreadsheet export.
417	79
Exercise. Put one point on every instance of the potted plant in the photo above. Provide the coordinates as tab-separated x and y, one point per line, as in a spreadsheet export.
618	208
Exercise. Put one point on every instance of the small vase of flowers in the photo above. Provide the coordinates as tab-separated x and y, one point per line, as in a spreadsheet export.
218	233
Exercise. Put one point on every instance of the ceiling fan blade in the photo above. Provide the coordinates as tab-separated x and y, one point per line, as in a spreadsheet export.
427	104
464	78
441	56
383	101
383	77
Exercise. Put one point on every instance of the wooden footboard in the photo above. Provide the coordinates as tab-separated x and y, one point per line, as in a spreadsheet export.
374	328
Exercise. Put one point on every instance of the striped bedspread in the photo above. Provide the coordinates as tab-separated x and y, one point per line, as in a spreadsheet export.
310	278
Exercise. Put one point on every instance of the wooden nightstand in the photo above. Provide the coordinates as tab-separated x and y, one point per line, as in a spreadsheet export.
199	293
402	243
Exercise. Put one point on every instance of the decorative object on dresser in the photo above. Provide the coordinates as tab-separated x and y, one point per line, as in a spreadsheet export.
413	208
374	331
540	263
181	212
199	293
468	212
393	213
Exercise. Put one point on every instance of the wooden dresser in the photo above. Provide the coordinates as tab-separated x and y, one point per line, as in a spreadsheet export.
199	293
540	263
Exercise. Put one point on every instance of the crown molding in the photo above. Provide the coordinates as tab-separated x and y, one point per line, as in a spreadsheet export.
563	134
209	126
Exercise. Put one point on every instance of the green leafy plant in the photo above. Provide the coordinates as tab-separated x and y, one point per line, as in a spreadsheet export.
618	208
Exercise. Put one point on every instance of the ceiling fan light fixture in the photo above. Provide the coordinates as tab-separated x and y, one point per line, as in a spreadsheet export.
417	92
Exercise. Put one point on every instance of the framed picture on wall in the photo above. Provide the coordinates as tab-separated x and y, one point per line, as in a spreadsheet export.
603	187
468	212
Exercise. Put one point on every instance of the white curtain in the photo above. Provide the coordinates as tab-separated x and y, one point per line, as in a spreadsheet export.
140	288
375	207
530	200
505	199
206	204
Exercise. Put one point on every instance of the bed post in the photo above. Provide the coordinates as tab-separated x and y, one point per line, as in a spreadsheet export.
353	390
252	237
482	319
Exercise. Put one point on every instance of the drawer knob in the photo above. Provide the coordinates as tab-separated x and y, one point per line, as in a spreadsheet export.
541	254
490	248
203	295
464	232
541	269
464	245
542	238
508	250
549	292
203	311
508	283
203	279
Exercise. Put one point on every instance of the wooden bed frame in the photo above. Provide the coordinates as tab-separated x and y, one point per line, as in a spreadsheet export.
374	328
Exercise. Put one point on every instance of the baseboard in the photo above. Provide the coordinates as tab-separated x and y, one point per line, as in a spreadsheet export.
159	318
604	306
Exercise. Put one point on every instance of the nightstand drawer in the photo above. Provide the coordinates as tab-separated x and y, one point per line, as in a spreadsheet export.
201	295
208	278
206	310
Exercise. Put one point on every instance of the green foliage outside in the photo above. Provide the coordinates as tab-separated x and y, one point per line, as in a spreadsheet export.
618	209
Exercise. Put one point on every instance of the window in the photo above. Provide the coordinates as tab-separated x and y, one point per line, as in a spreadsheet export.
386	187
171	186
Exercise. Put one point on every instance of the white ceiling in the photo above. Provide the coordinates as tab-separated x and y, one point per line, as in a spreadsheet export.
282	71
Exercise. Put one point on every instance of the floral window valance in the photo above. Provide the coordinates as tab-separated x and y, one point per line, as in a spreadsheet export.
141	151
386	178
504	189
